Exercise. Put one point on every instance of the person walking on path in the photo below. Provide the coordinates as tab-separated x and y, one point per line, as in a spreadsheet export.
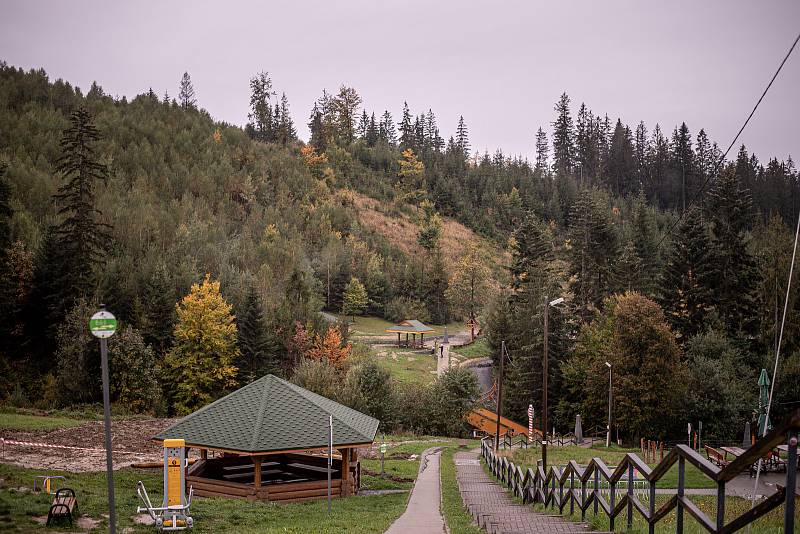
423	514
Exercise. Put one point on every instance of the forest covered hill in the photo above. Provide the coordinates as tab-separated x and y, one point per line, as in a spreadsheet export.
631	226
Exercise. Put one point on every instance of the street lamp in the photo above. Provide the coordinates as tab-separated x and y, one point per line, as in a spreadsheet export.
547	304
608	428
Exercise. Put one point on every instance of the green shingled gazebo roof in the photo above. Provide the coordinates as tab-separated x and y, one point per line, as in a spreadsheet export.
271	415
410	326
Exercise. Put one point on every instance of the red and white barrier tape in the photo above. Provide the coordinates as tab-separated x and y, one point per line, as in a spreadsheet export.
4	442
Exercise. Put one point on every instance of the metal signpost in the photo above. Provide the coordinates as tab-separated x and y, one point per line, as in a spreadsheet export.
383	451
103	325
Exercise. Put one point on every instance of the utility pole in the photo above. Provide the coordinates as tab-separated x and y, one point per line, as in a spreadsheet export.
544	385
499	395
608	429
545	361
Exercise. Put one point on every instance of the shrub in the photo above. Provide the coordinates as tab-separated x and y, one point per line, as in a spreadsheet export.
401	308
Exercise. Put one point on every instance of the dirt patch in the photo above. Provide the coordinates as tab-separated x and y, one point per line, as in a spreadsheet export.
393	478
130	440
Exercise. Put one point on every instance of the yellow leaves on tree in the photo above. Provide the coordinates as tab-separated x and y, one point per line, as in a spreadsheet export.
200	364
217	136
329	348
316	163
411	184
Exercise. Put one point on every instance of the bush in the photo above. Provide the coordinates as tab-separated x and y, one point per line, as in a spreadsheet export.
133	372
401	308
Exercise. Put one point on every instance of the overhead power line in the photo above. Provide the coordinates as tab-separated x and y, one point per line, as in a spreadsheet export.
721	160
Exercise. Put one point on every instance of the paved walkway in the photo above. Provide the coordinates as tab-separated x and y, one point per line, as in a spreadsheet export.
423	514
493	508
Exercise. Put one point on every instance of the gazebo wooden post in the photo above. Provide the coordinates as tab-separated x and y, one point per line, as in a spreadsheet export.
345	487
414	342
204	454
398	339
406	340
422	340
256	477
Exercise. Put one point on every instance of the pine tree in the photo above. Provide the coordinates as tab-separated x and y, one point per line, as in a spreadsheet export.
641	150
687	283
186	95
406	129
435	285
81	239
645	243
683	165
462	137
354	298
159	310
531	252
259	352
563	138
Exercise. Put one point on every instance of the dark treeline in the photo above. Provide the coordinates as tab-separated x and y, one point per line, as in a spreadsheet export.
688	321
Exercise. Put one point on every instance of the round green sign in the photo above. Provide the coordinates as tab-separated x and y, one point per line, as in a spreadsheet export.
103	324
383	448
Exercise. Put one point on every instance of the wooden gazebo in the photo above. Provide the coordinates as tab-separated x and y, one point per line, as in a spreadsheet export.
410	327
268	441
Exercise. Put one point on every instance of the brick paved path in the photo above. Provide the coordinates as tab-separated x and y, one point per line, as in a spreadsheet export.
494	510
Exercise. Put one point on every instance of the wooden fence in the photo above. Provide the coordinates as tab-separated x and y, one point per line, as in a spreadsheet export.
580	486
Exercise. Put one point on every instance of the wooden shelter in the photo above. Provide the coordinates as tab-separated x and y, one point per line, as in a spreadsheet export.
269	442
410	327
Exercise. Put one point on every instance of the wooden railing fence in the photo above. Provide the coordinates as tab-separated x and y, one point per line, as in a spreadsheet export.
580	486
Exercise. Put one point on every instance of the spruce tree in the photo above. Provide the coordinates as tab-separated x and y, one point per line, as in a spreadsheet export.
372	131
593	250
542	153
687	285
363	125
186	95
406	129
387	130
620	169
316	127
81	239
287	130
260	115
735	272
462	137
5	212
259	352
563	138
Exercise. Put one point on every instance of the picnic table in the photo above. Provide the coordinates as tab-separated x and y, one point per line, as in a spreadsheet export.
772	460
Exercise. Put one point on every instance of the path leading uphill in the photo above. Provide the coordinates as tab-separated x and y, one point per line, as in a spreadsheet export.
423	515
494	510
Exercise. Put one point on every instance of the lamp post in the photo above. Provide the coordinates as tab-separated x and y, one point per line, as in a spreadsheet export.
608	428
547	304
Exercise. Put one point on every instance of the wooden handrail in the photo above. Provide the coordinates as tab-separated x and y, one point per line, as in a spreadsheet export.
577	485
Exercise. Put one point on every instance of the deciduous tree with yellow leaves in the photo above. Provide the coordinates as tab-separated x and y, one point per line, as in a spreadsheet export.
200	365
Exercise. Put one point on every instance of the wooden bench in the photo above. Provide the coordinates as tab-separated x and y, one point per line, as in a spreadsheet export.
65	504
716	457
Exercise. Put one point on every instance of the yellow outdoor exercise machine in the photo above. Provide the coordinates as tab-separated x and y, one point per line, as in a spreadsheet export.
173	514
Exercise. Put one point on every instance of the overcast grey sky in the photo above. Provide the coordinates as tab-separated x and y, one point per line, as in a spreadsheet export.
502	64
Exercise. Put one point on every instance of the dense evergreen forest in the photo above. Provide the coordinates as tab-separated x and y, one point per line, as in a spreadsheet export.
673	263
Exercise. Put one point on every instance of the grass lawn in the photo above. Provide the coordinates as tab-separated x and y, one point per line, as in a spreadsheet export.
455	514
478	349
612	456
734	507
16	421
353	514
407	365
376	326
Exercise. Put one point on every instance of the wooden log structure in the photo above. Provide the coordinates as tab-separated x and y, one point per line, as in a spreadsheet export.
280	478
